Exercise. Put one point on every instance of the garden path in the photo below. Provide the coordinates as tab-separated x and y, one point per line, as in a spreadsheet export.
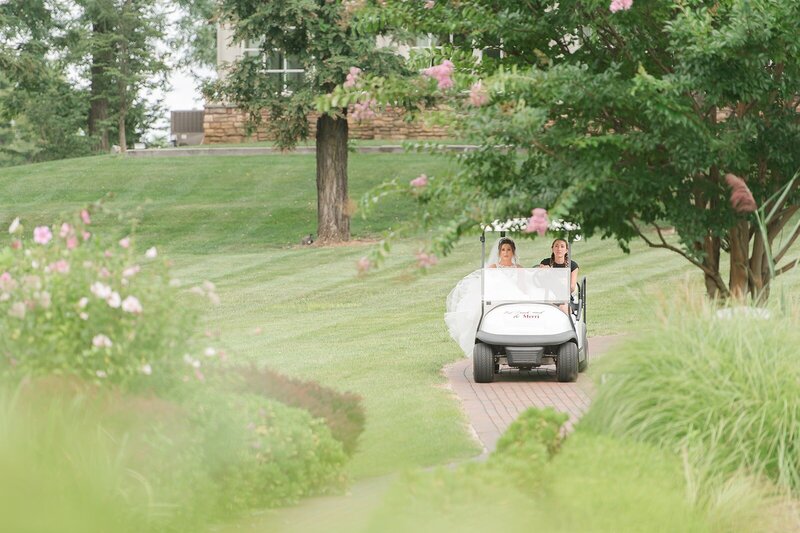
491	407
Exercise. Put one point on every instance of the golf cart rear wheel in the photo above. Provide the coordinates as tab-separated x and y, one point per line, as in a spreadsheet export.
567	362
482	363
583	365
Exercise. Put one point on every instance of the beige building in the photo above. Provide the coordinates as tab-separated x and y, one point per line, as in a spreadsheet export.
224	123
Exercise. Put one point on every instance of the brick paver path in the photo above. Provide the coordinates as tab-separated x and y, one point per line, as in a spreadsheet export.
491	407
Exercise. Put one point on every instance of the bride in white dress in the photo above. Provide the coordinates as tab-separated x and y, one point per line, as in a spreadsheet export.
463	311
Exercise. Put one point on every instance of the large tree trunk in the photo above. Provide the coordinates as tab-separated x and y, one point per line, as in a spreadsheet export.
711	247
98	111
123	143
739	238
333	220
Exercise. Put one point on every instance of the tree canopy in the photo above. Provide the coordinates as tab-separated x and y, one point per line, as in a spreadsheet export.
626	118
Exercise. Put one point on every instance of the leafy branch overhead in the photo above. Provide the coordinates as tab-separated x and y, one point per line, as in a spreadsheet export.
622	117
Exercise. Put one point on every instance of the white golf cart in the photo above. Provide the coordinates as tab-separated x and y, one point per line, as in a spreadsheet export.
521	325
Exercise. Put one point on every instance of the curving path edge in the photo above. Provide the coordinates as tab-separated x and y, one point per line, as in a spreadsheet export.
491	407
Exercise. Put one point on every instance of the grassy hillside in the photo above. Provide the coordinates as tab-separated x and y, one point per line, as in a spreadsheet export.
303	310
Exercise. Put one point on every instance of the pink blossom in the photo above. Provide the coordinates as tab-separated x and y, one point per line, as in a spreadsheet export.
132	305
7	282
125	242
104	273
430	4
620	5
131	271
363	265
742	199
61	267
151	253
108	254
101	341
16	244
442	73
478	95
66	229
83	302
352	77
199	375
85	217
538	222
14	227
419	182
72	242
86	235
42	235
425	260
210	351
364	110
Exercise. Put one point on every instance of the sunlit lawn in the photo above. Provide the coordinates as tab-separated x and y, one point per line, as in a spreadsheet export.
302	310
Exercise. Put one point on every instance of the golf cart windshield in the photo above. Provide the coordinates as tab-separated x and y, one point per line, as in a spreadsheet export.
545	285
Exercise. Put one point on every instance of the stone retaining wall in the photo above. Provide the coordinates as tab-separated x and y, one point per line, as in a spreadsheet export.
225	124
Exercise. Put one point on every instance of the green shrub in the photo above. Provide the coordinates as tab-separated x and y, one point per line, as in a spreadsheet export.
74	302
261	453
341	411
722	391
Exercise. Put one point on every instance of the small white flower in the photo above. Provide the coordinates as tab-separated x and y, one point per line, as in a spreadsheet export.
101	290
147	369
35	264
210	352
83	302
174	282
114	300
131	304
101	374
14	227
84	316
151	253
101	341
17	310
130	271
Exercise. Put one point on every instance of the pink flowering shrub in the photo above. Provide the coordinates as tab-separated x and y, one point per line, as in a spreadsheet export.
538	222
73	302
442	73
620	5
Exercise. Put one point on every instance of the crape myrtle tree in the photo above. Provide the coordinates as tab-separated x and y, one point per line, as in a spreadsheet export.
631	117
317	37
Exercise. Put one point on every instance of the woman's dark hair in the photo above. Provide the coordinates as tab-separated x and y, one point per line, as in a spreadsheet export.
553	255
506	240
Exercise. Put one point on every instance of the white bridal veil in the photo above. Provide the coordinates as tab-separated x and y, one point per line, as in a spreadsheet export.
463	309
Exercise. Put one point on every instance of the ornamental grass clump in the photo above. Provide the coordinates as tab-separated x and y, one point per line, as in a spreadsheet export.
79	303
717	387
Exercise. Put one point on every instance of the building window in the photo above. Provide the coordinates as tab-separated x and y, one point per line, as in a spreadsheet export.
284	66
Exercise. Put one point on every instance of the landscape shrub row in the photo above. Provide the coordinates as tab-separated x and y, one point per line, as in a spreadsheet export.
125	413
717	386
341	411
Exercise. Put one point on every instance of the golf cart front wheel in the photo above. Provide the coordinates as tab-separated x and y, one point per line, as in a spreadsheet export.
567	362
482	363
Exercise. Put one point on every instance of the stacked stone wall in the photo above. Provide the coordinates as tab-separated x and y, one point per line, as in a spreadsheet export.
225	125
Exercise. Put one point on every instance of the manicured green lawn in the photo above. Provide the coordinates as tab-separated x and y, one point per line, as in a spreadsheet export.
303	310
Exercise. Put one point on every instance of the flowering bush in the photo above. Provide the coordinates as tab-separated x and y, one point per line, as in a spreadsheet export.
72	302
261	453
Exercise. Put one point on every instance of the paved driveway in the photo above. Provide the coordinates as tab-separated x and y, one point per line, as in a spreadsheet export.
491	407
